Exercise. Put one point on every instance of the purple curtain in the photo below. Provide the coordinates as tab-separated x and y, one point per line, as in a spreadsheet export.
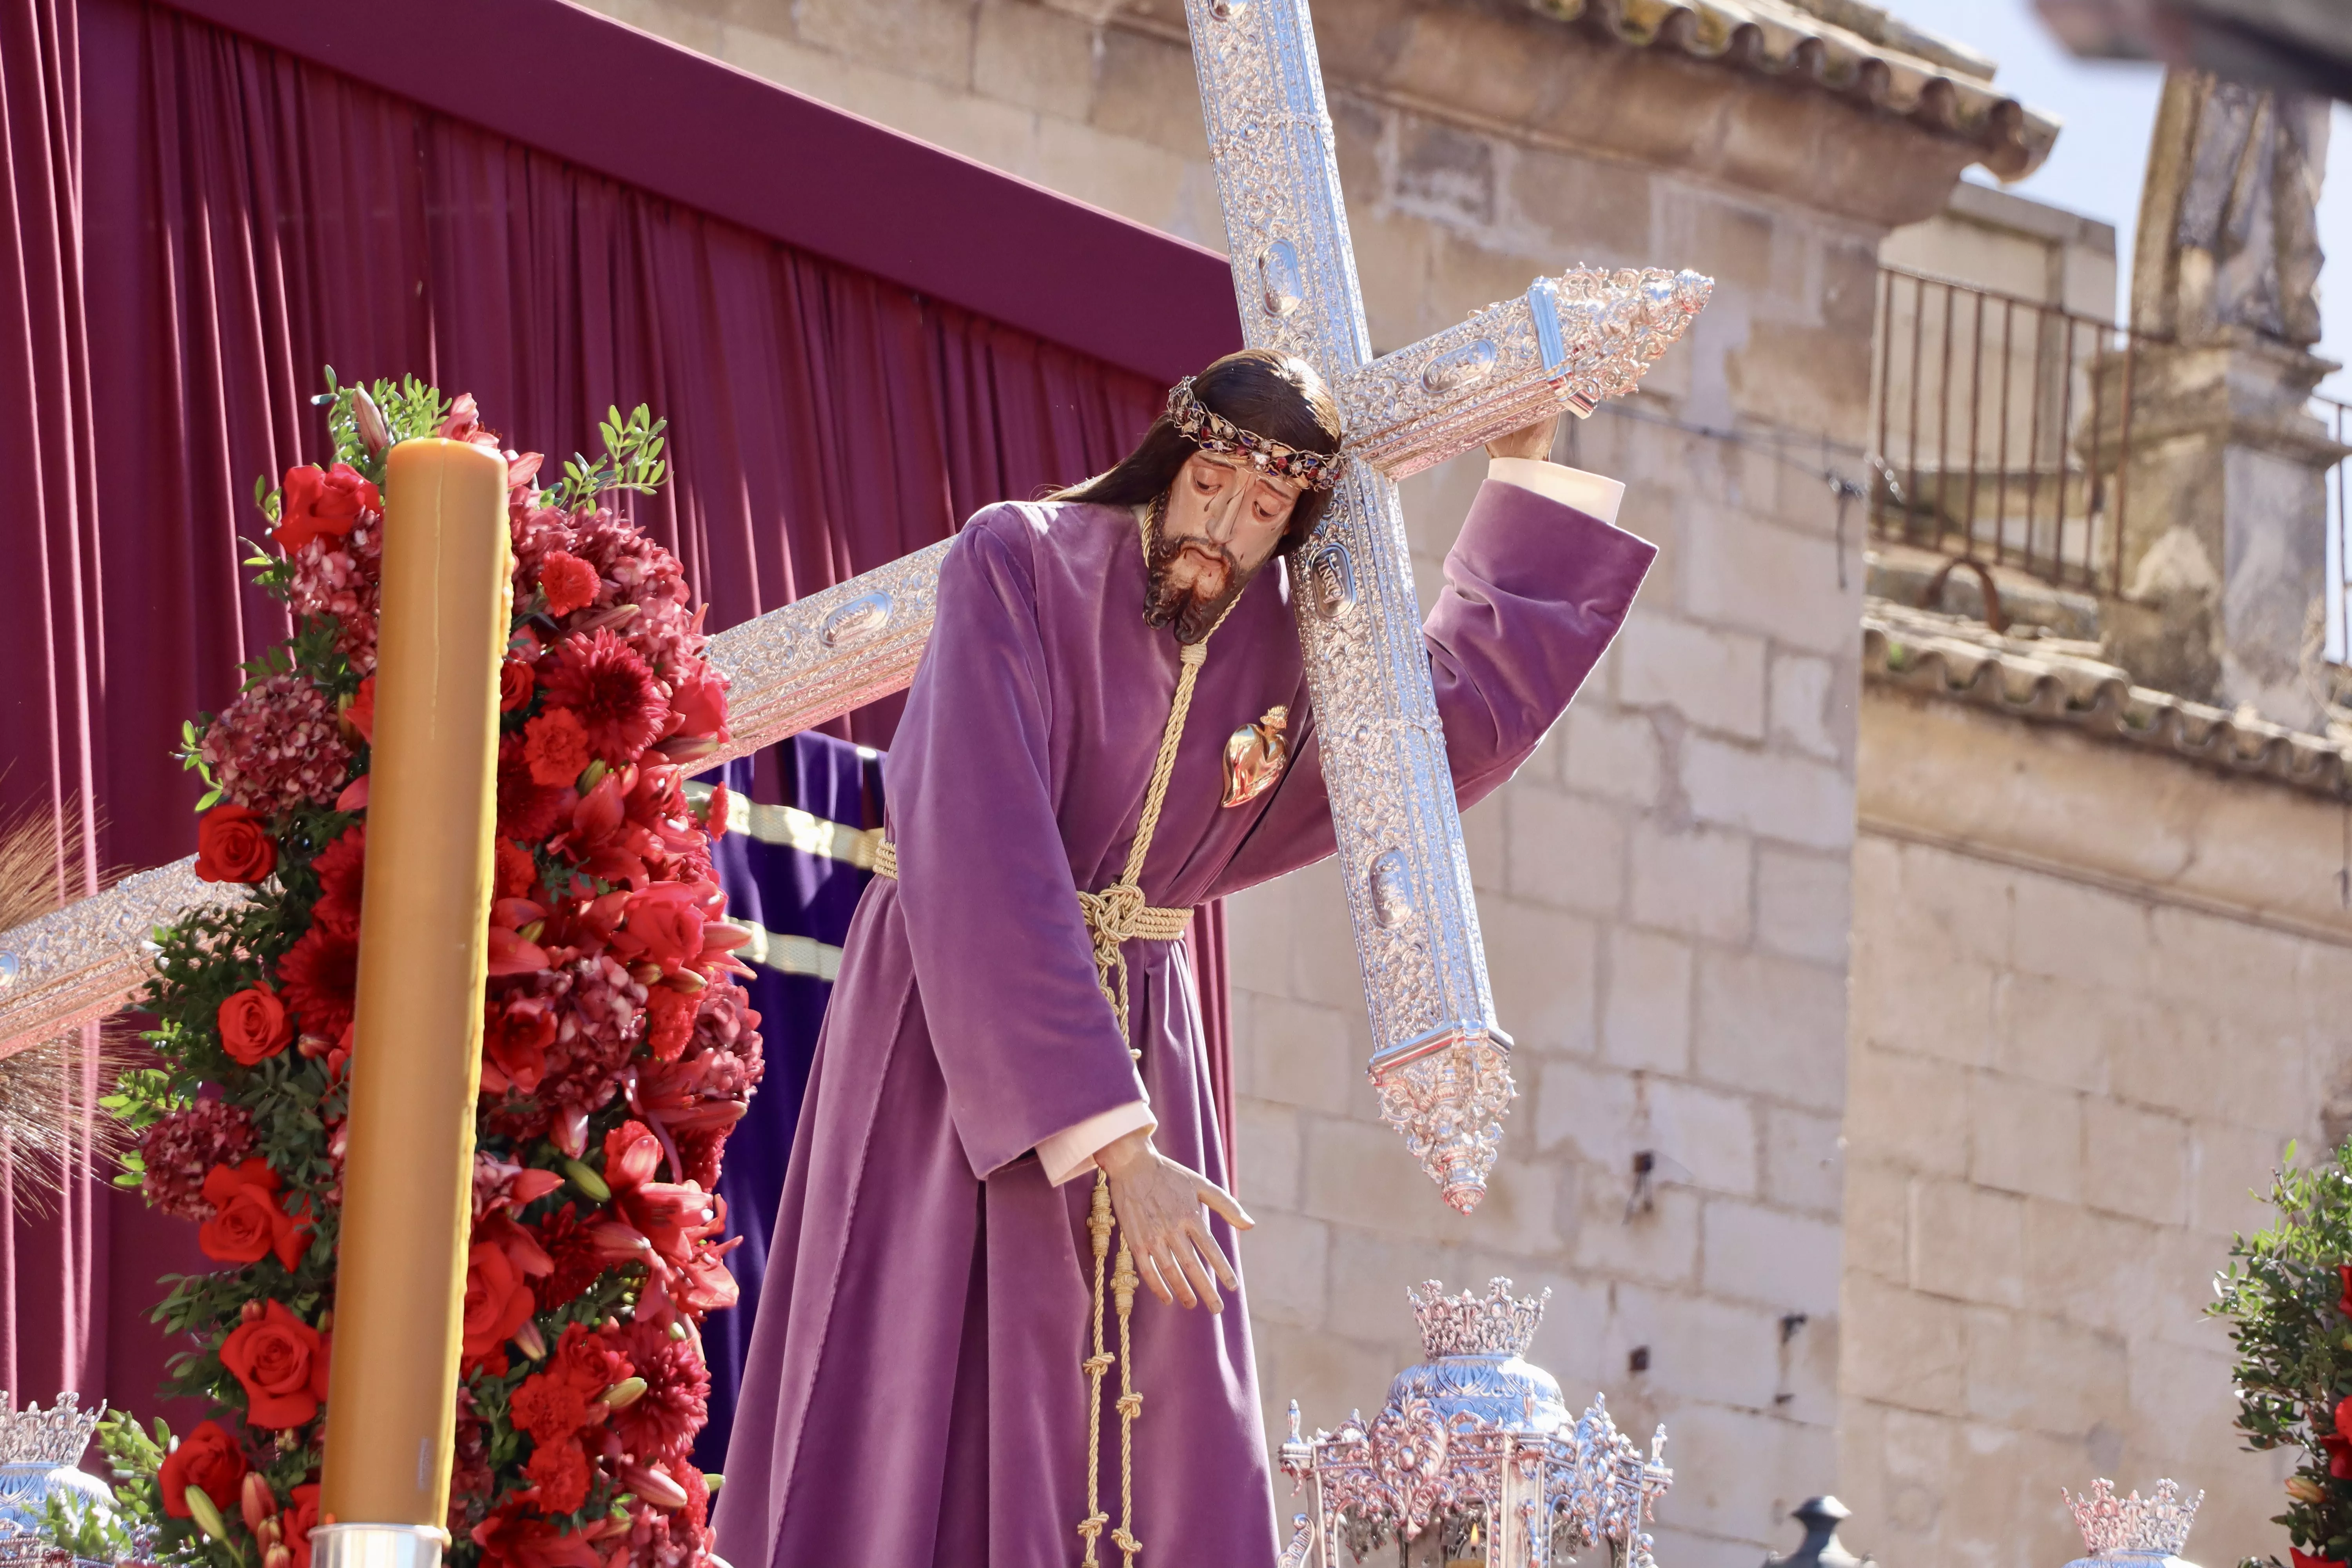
200	223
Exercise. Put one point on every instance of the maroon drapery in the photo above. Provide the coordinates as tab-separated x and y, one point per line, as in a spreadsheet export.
227	219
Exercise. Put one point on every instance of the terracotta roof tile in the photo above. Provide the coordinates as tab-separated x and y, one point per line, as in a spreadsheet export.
1843	47
2061	682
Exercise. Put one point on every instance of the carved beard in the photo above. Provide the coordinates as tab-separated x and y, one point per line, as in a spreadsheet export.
1166	603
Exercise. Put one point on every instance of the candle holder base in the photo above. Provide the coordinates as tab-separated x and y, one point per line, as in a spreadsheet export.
377	1545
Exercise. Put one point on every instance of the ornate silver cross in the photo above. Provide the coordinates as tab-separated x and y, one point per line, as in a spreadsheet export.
1439	1059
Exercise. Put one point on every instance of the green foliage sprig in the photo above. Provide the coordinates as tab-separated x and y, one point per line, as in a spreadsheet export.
2283	1295
632	461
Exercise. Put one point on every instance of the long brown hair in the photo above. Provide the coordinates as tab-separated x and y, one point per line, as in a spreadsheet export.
1278	396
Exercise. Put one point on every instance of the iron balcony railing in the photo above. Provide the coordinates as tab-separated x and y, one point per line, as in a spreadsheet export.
1998	424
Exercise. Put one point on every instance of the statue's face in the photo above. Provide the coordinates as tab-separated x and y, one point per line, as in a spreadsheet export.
1224	520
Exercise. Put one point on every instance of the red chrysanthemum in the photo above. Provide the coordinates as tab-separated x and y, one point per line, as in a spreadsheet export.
665	1418
340	866
601	679
318	978
182	1149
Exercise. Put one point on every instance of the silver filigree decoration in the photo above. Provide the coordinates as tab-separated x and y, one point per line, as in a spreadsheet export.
1497	1323
81	963
1449	1104
2111	1526
57	1436
1477	1444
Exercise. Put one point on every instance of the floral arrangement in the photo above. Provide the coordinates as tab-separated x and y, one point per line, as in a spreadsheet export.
2288	1297
618	1051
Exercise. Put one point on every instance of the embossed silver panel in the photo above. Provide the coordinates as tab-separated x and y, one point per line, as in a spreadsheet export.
78	964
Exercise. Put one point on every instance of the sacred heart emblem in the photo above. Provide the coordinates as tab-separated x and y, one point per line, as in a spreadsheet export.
1255	755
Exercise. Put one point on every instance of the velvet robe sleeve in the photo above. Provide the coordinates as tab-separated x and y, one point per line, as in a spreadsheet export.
1534	591
1005	971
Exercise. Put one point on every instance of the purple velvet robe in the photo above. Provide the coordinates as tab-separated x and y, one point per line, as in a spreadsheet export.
913	1393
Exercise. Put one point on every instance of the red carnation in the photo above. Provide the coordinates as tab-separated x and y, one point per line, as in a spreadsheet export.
559	1477
253	1026
556	746
669	1022
315	503
342	867
601	680
662	1421
516	873
282	1362
569	582
208	1460
318	976
233	844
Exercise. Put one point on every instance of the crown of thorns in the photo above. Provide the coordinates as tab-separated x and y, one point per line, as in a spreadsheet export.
1212	432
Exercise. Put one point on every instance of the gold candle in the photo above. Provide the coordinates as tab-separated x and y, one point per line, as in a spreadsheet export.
416	1050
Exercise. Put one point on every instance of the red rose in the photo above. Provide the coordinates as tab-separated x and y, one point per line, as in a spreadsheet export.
253	1026
516	683
232	846
315	503
298	1522
569	582
559	1476
361	714
669	1022
248	1223
208	1460
497	1301
282	1361
515	1038
666	923
555	744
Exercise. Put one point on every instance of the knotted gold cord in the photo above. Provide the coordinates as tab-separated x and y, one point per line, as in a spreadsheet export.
1116	916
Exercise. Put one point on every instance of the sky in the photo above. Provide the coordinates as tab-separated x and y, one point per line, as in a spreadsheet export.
2101	157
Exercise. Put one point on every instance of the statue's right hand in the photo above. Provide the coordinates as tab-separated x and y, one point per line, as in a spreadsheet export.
1163	1216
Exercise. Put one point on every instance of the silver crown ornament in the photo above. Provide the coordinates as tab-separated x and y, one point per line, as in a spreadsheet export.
1475	1457
40	1458
2133	1531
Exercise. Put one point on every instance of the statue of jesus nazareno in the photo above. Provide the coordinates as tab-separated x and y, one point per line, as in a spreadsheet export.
1110	725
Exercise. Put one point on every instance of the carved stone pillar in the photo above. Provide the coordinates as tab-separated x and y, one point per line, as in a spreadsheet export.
2221	482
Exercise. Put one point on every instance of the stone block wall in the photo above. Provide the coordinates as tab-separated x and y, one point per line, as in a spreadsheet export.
2095	992
1664	886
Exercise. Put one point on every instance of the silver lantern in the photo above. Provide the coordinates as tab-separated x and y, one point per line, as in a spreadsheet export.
1475	1457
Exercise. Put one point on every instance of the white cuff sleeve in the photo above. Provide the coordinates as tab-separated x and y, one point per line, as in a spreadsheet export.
1587	493
1073	1149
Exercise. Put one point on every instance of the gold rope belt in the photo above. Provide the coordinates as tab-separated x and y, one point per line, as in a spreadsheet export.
1115	916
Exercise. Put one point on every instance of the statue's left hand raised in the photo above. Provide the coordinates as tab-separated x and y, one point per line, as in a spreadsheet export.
1160	1216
